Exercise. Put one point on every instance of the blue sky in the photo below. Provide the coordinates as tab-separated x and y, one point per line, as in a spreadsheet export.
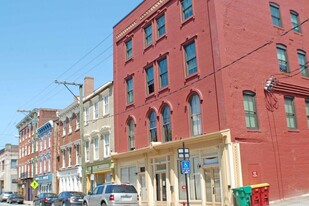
46	40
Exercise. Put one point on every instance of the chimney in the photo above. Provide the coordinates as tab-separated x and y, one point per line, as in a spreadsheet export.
88	86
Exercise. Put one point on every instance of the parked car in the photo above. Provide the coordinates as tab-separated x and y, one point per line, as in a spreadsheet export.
44	199
4	196
69	198
19	199
112	194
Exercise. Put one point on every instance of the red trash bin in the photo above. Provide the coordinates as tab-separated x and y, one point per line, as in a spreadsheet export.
260	195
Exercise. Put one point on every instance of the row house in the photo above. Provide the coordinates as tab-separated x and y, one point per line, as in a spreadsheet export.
99	135
8	168
193	73
28	161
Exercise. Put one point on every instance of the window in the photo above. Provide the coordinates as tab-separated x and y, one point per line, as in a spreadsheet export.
148	35
70	157
96	110
128	175
152	126
187	10
195	115
190	54
129	49
64	123
282	58
87	115
295	21
63	158
163	72
105	105
107	148
302	61
167	130
131	126
150	80
77	154
160	26
77	121
129	91
307	110
275	14
70	125
96	148
14	163
250	110
87	151
290	112
49	165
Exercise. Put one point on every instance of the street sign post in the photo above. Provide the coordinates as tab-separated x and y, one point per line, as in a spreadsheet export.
185	166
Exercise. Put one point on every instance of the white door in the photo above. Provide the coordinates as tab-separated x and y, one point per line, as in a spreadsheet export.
213	186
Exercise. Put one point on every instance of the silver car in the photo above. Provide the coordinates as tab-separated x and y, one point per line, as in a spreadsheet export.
4	196
111	195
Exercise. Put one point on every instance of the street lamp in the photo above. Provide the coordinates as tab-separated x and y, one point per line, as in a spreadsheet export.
81	128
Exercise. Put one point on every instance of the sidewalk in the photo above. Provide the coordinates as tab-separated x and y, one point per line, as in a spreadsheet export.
28	203
295	201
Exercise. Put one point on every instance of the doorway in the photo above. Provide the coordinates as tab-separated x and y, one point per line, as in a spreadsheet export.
213	186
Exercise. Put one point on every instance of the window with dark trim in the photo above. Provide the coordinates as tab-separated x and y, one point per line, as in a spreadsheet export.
150	80
160	26
129	90
275	14
303	64
250	110
282	58
152	118
190	55
148	35
187	10
163	72
195	115
129	51
166	124
295	21
290	112
131	135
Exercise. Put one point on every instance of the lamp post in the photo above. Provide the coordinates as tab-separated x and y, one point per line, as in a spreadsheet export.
81	127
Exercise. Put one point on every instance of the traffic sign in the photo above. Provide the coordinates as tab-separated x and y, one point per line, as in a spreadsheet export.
183	152
185	167
34	184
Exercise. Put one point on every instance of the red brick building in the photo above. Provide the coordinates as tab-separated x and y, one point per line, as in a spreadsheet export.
29	150
194	72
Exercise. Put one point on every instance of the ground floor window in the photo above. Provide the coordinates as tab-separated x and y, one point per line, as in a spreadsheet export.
128	175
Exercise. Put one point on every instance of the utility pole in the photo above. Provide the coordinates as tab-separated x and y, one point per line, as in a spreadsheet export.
81	128
35	122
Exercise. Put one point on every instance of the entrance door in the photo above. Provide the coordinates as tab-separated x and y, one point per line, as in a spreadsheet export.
213	186
161	187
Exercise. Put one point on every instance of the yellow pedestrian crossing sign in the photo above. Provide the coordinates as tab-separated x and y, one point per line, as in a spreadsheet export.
34	184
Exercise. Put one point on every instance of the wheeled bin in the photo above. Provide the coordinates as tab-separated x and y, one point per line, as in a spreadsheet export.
260	194
243	195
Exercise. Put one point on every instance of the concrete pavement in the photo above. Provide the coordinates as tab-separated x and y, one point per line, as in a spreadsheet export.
295	201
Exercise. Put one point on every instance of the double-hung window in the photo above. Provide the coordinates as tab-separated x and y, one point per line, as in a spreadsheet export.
295	21
87	114
303	65
107	148
70	125
250	110
129	51
152	126
275	14
130	90
96	110
87	151
148	35
195	115
96	148
70	156
190	55
131	137
150	80
163	72
63	159
167	129
160	26
282	58
105	106
64	124
187	10
290	112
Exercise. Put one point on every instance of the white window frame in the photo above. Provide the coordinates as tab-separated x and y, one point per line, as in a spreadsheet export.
96	150
107	148
95	110
105	105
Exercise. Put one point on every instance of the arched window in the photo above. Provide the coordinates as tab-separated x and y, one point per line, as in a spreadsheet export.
166	124
195	115
131	136
152	126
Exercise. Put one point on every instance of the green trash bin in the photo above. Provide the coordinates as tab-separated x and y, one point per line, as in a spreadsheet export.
243	195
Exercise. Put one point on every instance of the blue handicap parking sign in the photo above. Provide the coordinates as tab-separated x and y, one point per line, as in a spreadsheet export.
185	167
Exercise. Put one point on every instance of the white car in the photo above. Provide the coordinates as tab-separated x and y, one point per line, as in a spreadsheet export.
4	196
111	195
